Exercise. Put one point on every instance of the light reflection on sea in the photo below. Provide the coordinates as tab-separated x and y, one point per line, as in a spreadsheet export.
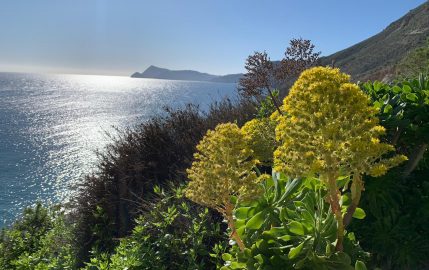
51	125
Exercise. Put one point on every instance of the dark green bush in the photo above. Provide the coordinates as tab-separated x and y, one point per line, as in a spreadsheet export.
41	239
174	233
395	229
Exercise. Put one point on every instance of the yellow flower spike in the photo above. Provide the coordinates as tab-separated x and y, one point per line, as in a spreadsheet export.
332	118
260	133
224	149
223	167
328	115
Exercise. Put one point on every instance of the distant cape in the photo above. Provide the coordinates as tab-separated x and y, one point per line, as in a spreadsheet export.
154	72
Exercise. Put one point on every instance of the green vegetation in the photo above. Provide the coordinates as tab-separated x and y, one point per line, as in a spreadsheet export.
324	183
326	129
395	230
41	239
223	168
291	226
173	234
415	62
330	130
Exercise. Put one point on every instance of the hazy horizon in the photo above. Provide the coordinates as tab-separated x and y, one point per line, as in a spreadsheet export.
121	37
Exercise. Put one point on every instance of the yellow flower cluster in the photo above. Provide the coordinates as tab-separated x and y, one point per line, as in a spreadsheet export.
223	167
260	133
329	128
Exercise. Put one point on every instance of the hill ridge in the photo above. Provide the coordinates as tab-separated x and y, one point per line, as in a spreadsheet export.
155	72
376	56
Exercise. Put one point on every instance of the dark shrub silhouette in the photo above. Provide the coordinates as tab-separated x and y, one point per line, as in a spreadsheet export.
154	153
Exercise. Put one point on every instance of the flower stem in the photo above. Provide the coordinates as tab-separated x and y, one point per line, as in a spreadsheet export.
229	217
356	190
414	159
334	201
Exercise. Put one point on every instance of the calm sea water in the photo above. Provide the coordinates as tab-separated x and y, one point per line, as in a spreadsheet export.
51	125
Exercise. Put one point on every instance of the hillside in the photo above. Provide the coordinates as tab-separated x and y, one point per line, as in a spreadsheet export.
372	59
154	72
375	57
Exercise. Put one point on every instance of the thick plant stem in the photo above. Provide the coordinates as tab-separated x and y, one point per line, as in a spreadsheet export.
414	159
273	98
356	190
230	218
334	201
396	136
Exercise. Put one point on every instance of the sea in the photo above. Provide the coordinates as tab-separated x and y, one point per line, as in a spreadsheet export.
52	125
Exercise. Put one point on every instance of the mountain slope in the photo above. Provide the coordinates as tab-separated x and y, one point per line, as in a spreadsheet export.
185	75
372	59
376	57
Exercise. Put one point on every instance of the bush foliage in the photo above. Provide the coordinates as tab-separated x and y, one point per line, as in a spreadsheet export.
41	239
157	152
173	234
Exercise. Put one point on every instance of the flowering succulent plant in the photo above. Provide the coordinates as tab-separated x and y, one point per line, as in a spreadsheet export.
331	130
223	168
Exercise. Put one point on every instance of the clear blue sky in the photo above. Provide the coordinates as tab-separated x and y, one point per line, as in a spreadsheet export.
118	37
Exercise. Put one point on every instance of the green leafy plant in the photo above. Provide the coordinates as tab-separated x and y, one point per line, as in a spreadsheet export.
395	228
328	133
173	234
41	239
404	110
290	227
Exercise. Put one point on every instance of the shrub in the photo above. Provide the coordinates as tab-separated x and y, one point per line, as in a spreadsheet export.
41	239
174	233
395	230
404	110
327	130
155	153
260	134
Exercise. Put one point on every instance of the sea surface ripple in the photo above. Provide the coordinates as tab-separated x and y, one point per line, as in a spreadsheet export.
51	126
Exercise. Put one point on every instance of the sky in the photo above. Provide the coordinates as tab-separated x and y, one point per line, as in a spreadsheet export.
119	37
